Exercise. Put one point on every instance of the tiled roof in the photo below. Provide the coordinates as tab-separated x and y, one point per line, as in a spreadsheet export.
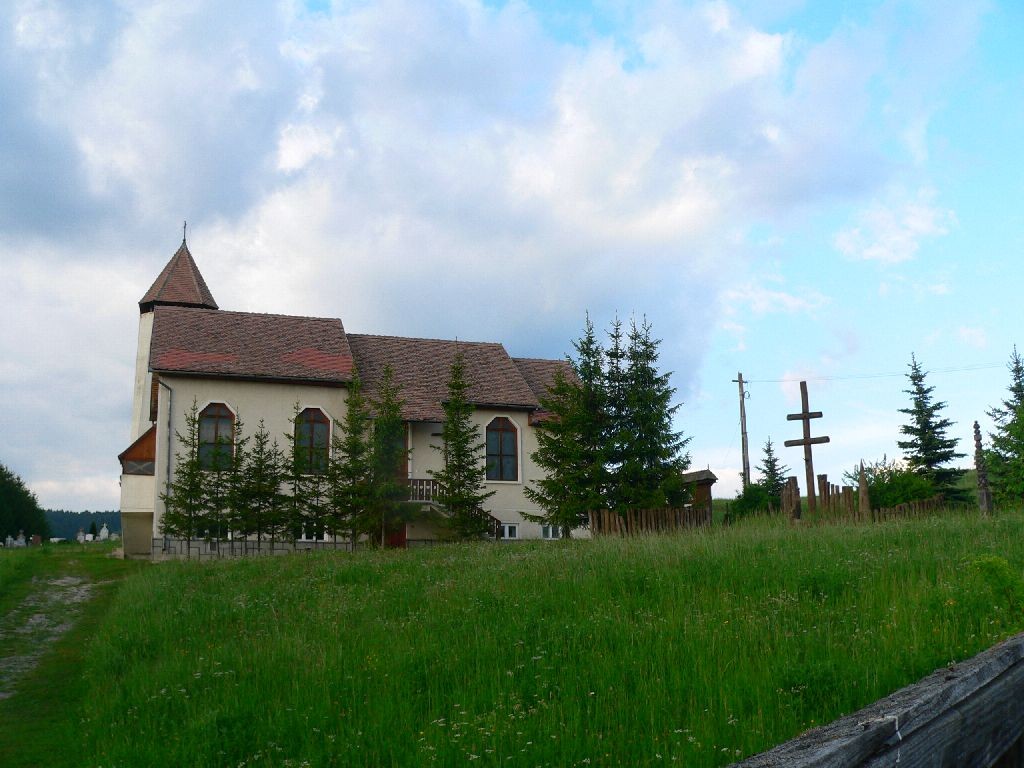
540	374
249	345
422	368
180	284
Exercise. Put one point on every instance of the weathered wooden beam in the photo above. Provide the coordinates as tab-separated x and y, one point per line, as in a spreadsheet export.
965	716
802	416
808	441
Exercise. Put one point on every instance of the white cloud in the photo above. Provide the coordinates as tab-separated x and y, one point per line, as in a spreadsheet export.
409	167
972	336
760	299
891	233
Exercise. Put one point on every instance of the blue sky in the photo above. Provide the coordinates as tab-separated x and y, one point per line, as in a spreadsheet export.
787	189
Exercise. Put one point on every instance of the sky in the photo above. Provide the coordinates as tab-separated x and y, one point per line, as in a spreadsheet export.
787	189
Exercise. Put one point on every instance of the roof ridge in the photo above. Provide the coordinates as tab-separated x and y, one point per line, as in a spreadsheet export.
423	338
254	314
541	359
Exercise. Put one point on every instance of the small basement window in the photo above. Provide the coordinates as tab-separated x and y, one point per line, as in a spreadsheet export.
551	532
510	530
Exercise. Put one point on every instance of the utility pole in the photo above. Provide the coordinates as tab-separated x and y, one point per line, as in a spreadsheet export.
743	431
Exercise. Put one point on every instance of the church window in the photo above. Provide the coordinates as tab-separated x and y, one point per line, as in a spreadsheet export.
216	437
312	441
502	450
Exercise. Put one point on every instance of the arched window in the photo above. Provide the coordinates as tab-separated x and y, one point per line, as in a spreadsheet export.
312	441
502	453
216	437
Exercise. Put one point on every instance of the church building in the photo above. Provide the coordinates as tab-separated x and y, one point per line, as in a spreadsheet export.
258	366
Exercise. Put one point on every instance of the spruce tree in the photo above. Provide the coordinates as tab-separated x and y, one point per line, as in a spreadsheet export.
651	458
615	418
927	449
571	441
460	482
296	480
259	502
388	460
222	480
1005	457
773	475
185	495
350	475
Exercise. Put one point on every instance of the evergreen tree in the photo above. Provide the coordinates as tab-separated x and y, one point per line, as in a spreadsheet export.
773	475
388	461
350	476
615	417
223	475
1005	457
927	449
185	496
19	510
651	458
306	470
259	503
92	529
461	480
571	444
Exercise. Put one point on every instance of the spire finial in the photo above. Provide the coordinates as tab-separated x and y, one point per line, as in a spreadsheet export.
184	228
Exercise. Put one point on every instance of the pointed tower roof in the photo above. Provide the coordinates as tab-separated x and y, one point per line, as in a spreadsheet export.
180	284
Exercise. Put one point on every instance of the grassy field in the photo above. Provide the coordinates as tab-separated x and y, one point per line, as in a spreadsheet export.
696	649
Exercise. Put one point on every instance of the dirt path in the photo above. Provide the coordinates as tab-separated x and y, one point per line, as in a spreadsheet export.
30	628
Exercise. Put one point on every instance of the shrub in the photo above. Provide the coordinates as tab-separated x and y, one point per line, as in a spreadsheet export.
891	483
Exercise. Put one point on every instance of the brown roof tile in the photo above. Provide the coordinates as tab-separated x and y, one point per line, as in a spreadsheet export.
250	345
540	374
180	284
422	368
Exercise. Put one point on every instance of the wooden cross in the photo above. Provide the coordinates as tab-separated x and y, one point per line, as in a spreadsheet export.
805	415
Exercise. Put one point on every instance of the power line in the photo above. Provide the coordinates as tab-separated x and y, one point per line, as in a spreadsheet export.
963	369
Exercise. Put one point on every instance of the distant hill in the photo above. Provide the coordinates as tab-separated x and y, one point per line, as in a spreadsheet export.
66	524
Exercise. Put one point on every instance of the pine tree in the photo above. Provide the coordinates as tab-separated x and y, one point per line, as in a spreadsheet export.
350	473
460	482
928	449
388	459
773	475
259	502
1005	457
571	444
651	458
185	496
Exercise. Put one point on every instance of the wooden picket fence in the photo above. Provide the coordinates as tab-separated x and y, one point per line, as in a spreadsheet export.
633	522
912	509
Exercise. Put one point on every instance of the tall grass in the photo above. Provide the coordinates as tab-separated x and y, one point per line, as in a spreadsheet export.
695	649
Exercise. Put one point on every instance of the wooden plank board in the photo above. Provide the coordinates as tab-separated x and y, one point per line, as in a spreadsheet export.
965	715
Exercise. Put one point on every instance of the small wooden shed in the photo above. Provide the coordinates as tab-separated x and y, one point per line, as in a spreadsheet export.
701	481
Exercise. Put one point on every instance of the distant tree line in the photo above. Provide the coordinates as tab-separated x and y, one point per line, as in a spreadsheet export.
607	440
66	524
19	509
